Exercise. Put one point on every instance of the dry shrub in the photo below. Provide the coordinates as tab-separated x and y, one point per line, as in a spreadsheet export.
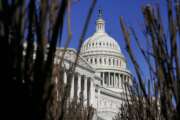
159	99
30	66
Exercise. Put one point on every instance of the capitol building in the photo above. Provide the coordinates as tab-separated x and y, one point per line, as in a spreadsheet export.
102	70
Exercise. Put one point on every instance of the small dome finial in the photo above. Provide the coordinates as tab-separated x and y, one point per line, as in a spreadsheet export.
100	13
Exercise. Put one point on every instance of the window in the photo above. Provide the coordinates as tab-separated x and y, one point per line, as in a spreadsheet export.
99	44
109	61
113	61
100	61
91	60
95	60
104	60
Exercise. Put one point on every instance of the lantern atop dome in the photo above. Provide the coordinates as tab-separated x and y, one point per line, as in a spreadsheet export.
100	23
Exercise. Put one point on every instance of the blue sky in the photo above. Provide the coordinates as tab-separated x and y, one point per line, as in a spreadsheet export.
112	9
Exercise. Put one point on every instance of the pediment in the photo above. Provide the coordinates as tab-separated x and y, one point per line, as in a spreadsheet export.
70	56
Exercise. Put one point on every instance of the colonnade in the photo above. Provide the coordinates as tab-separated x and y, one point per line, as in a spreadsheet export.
81	86
112	79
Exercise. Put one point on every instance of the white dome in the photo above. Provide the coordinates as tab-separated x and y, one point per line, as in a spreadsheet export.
103	53
101	41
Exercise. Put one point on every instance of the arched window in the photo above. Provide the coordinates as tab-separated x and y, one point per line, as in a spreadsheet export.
104	60
91	60
100	61
117	63
95	60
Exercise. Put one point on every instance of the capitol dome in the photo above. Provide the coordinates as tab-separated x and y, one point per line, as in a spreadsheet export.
101	41
103	53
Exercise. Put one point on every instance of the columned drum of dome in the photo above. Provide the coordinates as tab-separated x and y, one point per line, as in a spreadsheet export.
103	53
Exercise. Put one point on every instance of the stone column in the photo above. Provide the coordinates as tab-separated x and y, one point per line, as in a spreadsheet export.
98	99
65	77
102	78
114	80
111	75
105	78
121	81
57	91
82	90
89	92
79	85
85	89
92	93
108	81
111	79
76	87
118	81
124	81
72	88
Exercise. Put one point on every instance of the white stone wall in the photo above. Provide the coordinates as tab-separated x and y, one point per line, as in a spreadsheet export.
107	104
